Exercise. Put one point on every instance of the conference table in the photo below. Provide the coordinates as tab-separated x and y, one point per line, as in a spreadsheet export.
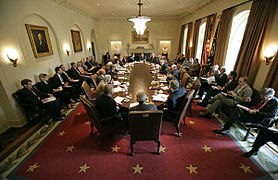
140	77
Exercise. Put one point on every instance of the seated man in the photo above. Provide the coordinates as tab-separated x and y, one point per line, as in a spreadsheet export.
263	113
263	137
30	95
99	90
173	103
106	106
195	68
142	106
176	72
242	93
100	75
230	85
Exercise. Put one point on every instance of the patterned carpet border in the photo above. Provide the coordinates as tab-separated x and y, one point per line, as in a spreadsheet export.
20	154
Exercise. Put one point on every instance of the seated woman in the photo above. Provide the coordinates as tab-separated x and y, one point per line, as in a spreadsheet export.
46	87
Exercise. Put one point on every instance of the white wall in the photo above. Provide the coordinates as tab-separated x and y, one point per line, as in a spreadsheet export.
120	30
14	15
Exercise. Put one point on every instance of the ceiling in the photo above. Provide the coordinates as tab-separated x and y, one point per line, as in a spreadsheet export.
126	8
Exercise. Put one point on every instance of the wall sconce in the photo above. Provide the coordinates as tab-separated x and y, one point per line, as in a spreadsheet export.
67	49
89	46
12	55
269	54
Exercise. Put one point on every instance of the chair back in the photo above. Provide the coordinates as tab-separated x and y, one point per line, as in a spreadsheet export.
145	125
196	86
91	111
182	71
184	80
87	91
186	102
94	79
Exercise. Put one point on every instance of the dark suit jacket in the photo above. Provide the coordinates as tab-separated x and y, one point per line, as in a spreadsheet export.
231	86
163	69
174	98
28	97
144	107
269	110
106	106
45	88
73	74
99	78
221	80
57	82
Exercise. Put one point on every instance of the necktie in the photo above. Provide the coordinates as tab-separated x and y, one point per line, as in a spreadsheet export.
35	94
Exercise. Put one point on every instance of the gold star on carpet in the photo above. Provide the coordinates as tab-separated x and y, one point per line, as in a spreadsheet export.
88	122
162	149
192	169
115	149
32	167
71	148
137	169
206	148
177	134
218	134
78	114
246	169
62	133
83	168
191	122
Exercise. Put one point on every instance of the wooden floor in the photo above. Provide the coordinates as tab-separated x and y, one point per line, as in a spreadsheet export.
13	136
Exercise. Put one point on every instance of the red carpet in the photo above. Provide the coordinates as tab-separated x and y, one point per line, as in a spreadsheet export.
55	162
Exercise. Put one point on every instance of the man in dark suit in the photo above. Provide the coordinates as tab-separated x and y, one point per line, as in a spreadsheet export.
164	65
142	106
106	106
263	137
263	113
30	95
176	94
100	75
74	73
153	59
229	85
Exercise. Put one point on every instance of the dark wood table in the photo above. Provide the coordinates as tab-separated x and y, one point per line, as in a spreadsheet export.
140	79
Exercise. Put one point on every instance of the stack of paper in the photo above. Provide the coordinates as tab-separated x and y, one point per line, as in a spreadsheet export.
160	97
116	83
133	104
121	72
121	77
165	87
47	100
119	99
118	89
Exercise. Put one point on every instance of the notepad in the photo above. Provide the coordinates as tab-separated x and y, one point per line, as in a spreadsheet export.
160	97
50	99
119	99
243	107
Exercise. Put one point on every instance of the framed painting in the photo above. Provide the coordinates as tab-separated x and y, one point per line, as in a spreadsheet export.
76	41
140	39
40	40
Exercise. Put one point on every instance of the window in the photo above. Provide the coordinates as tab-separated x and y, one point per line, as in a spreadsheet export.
184	40
237	31
201	37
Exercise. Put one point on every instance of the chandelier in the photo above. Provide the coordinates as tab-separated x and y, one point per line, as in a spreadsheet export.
139	21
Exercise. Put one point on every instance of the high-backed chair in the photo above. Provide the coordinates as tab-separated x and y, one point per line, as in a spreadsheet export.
196	86
182	71
145	126
97	122
178	116
94	79
184	80
87	91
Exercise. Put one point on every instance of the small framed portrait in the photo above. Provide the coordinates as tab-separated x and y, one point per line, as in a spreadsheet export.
40	40
76	41
140	39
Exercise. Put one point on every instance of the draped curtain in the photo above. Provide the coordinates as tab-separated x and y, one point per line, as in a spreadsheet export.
195	37
272	76
189	39
209	32
223	36
256	32
181	38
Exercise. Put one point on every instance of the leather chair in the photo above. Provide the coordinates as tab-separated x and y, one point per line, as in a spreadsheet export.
182	71
184	80
145	126
180	115
196	86
94	79
98	123
87	91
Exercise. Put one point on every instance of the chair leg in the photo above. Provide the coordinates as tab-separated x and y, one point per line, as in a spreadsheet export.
178	132
190	108
247	134
184	123
131	147
92	130
158	146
